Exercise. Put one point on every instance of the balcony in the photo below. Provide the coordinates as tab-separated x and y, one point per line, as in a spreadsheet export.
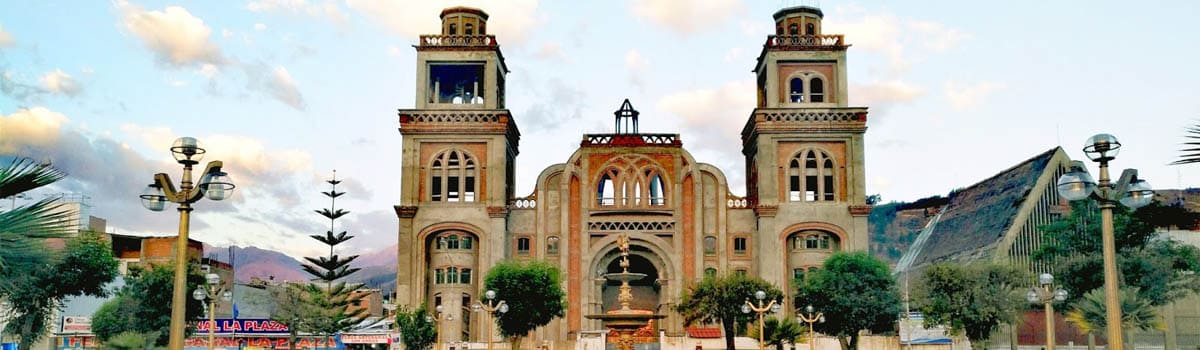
457	41
805	42
631	140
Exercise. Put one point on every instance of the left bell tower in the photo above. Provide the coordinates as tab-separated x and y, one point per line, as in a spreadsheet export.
458	158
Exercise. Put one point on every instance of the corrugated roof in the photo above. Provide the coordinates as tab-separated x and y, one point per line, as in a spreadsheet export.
978	216
703	333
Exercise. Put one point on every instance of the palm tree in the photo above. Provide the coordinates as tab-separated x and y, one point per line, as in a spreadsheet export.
22	228
777	332
1191	155
1136	313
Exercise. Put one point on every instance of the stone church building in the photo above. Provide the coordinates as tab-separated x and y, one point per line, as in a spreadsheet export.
459	215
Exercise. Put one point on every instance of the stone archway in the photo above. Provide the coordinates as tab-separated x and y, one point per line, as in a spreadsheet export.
646	292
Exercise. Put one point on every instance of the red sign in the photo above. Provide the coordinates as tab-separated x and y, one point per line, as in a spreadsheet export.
225	325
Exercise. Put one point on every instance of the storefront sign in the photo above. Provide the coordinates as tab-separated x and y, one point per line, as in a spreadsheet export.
76	324
243	326
365	338
259	342
77	343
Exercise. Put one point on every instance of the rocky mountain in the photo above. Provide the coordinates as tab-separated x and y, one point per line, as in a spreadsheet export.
378	268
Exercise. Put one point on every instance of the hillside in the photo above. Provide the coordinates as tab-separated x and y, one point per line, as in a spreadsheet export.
378	268
894	226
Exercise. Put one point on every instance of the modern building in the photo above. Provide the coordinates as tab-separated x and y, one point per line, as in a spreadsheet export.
459	215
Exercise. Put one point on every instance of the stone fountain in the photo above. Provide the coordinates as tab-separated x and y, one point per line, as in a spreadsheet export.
625	321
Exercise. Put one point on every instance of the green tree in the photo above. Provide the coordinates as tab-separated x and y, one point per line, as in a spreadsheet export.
719	299
143	305
335	296
973	300
84	267
855	291
777	332
536	298
417	332
290	306
1162	271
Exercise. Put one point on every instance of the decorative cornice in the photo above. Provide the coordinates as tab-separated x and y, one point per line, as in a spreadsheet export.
860	210
405	212
766	210
497	212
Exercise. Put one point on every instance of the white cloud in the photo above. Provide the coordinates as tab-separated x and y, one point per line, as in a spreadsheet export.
276	82
6	38
892	36
37	125
327	9
713	117
733	55
937	36
686	16
550	51
967	96
260	26
60	82
636	65
511	22
226	33
208	70
881	96
174	35
395	51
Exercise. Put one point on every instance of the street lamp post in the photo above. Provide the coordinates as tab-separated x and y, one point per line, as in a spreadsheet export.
437	319
1129	191
491	310
1047	297
760	309
210	292
215	185
810	317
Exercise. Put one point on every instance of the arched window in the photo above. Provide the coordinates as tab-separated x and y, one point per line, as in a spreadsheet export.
440	276
793	29
605	193
452	177
816	88
810	177
552	245
657	196
468	29
453	29
810	29
523	246
797	90
710	245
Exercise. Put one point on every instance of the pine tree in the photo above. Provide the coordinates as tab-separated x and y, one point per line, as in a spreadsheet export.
330	293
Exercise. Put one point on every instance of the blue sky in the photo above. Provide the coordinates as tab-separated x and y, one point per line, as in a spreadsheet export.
285	91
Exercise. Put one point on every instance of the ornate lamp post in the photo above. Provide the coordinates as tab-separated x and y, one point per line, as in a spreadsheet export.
437	319
215	185
810	317
210	292
491	310
1045	296
1129	191
760	309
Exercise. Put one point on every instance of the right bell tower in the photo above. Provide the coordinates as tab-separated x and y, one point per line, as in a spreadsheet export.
804	150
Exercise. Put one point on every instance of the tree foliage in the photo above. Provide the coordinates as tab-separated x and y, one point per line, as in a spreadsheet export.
777	332
1192	154
533	292
143	305
973	300
855	291
1160	270
1136	313
328	302
416	331
719	299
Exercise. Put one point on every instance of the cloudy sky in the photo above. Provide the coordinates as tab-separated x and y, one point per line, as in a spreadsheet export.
285	91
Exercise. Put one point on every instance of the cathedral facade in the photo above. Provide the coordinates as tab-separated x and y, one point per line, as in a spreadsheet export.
458	213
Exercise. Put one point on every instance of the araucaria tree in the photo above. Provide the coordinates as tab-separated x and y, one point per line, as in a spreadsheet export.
533	292
973	300
331	294
856	292
34	279
720	299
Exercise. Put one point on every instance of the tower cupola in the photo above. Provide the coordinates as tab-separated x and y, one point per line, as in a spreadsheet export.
798	20
626	119
461	20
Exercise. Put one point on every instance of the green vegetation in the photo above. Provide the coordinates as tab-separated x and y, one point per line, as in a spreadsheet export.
416	332
1136	313
720	299
855	291
1190	155
143	306
534	296
325	308
777	332
973	300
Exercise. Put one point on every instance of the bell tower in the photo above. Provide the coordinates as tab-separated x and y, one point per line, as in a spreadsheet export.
804	150
458	157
